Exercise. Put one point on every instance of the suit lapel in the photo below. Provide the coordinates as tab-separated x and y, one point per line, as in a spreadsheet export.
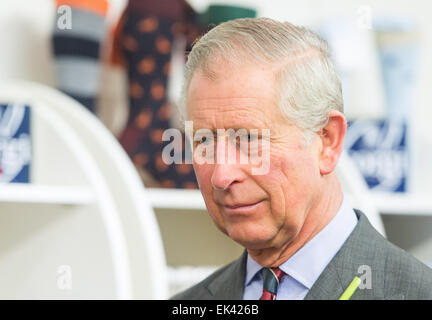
362	248
230	282
327	287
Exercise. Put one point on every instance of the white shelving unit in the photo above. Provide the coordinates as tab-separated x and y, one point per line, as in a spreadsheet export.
176	199
403	204
84	211
40	194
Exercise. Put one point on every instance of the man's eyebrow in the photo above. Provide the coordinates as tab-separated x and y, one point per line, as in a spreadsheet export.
195	129
238	129
246	125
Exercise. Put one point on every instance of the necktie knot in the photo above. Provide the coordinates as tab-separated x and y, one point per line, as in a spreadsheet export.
271	280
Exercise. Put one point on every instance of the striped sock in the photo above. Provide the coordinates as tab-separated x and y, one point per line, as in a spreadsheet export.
76	48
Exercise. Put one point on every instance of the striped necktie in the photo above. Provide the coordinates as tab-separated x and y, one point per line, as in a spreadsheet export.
271	279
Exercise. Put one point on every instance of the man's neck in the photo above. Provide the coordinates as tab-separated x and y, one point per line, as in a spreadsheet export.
317	218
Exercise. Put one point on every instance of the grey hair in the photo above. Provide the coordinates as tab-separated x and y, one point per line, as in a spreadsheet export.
308	87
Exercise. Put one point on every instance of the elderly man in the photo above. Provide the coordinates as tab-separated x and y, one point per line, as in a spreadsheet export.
303	240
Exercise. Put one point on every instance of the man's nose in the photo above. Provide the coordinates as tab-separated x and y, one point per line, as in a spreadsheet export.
227	169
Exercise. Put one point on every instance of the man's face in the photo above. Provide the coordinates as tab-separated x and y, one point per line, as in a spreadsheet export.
257	211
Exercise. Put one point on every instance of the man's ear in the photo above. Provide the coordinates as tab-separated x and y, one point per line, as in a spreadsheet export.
332	139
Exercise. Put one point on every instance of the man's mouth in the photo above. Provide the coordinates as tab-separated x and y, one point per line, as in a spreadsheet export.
241	207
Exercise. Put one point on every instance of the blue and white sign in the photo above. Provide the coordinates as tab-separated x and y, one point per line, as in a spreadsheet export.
379	148
15	143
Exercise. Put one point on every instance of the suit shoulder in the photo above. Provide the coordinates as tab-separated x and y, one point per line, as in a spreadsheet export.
395	272
407	274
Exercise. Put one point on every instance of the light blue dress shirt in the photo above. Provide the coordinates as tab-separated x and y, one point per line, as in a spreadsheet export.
307	264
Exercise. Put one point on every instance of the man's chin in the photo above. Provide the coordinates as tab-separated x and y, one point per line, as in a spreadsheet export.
251	240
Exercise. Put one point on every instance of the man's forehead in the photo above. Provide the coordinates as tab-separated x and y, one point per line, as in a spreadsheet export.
244	97
233	80
235	113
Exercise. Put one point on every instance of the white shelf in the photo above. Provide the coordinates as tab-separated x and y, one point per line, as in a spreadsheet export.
404	204
175	198
30	193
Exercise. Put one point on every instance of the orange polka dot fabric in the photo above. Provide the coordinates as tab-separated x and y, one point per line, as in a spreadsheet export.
146	42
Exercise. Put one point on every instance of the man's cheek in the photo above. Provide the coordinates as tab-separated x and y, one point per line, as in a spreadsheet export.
203	174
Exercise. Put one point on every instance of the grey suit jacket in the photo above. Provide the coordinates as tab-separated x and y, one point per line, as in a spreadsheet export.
395	274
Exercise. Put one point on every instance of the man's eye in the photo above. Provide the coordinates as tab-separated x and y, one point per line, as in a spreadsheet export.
246	137
205	140
252	137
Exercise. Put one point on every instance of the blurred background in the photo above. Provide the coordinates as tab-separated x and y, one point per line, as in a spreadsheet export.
88	209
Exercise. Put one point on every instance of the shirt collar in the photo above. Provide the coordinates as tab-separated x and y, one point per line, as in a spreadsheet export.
309	262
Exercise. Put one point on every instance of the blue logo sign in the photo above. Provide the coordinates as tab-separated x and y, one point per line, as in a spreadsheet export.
15	143
379	148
